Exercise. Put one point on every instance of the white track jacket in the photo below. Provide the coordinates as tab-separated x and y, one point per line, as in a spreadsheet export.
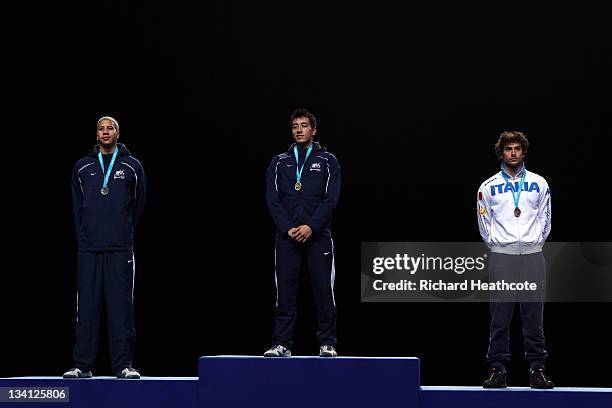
502	231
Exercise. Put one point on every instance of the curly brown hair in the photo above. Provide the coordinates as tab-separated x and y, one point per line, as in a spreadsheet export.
511	137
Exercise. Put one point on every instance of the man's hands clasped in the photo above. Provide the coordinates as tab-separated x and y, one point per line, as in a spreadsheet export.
300	234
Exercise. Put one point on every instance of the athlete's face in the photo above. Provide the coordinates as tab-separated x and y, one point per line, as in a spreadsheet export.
302	131
107	134
513	155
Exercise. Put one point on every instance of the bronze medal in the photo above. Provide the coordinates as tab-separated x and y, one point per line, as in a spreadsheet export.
517	212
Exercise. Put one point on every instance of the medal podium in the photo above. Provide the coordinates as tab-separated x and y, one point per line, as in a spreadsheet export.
300	382
297	382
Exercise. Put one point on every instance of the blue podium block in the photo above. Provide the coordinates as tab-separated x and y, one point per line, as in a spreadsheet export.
477	397
296	382
106	392
308	382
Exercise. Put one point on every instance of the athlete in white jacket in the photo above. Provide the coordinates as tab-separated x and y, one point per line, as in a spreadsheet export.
500	227
514	220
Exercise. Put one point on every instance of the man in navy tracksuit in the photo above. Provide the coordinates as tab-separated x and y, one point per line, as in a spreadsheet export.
108	196
303	186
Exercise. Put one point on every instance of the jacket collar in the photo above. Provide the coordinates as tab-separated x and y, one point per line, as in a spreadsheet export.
518	175
315	147
122	150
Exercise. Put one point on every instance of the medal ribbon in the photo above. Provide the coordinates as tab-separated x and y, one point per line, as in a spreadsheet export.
298	171
110	166
520	188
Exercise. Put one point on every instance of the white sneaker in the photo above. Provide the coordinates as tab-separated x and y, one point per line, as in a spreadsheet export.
327	351
278	351
129	373
77	373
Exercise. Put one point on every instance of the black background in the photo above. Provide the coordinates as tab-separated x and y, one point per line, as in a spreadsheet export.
410	97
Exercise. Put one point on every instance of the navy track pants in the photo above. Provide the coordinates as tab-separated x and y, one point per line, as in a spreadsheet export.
105	278
317	256
518	268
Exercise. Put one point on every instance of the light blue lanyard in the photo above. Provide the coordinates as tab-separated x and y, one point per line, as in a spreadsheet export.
520	188
298	170
110	166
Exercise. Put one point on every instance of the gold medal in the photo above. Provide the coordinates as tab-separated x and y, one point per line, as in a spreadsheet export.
298	186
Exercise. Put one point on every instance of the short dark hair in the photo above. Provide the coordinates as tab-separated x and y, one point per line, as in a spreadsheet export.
303	113
510	137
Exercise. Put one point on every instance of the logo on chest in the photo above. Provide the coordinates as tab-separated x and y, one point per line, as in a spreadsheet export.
509	187
315	167
119	174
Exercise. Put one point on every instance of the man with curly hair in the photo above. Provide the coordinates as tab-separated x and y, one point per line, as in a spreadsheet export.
514	214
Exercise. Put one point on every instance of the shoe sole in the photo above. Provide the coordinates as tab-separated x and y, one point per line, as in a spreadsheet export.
504	385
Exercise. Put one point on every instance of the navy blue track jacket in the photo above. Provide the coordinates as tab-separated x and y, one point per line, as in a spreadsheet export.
106	223
315	202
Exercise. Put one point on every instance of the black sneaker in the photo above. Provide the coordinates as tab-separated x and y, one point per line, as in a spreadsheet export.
77	373
539	380
278	351
327	351
129	373
497	379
